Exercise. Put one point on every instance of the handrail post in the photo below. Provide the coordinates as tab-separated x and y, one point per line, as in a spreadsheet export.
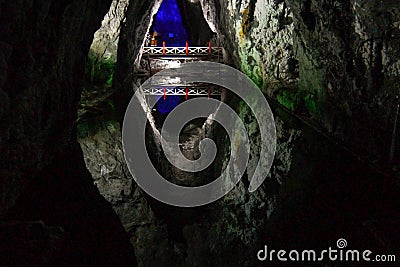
187	48
164	48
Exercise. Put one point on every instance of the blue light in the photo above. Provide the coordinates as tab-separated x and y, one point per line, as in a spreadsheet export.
166	106
169	25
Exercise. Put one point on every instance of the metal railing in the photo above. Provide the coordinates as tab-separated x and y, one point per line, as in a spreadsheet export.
182	51
182	90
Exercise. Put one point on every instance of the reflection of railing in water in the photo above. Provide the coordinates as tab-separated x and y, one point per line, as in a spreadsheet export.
182	90
160	58
182	51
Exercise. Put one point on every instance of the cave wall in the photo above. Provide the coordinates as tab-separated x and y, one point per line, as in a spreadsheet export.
41	70
140	15
258	38
349	56
335	61
105	160
198	30
105	41
44	45
223	233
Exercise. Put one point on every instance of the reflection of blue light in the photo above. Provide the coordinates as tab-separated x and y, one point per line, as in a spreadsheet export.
169	25
166	106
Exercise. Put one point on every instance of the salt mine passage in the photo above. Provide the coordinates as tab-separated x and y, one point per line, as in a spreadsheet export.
199	133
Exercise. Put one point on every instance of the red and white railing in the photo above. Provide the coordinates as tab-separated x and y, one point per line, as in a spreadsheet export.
182	90
194	51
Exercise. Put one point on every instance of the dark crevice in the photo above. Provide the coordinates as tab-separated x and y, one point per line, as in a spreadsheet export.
308	16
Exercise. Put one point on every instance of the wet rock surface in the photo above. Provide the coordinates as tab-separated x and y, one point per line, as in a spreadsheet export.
105	160
343	49
217	234
259	38
335	61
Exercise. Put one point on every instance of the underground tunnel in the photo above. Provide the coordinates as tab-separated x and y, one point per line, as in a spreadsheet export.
70	71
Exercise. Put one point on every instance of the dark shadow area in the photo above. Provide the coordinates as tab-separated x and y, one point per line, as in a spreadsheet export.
64	196
330	194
